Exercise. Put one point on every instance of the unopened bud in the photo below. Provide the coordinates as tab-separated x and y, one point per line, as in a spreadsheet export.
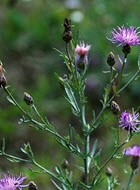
67	34
115	107
3	81
28	99
64	164
111	59
134	162
108	172
126	49
32	186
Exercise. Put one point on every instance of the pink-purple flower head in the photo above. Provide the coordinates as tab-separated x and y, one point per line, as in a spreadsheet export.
125	36
11	182
129	121
132	151
81	51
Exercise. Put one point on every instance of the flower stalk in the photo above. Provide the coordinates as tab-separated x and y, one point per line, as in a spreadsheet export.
130	179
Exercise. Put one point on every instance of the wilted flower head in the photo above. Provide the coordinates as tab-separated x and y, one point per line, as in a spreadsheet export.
82	54
11	182
125	36
129	121
132	151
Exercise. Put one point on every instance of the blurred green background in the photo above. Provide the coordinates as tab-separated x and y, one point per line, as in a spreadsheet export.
29	30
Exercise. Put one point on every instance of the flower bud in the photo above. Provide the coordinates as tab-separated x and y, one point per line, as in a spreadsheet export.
64	164
28	99
67	34
32	186
126	49
134	162
111	59
115	107
108	172
3	81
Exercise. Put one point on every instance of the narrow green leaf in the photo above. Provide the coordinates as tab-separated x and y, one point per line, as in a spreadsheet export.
10	100
94	148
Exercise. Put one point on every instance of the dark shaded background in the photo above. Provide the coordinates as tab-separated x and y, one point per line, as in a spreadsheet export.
29	30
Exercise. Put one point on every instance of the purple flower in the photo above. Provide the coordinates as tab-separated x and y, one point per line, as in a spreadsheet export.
11	182
132	151
82	49
82	54
129	121
125	36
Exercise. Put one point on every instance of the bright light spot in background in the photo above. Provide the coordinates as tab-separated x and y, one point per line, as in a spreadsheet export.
77	16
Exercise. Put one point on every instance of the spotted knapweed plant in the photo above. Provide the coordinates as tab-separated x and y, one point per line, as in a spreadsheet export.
92	171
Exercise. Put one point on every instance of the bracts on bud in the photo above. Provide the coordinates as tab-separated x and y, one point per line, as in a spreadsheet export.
111	59
3	80
67	34
115	108
32	186
108	172
28	99
126	49
134	162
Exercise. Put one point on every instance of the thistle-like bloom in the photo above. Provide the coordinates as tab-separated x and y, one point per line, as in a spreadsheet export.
132	151
129	121
82	49
125	36
82	54
11	182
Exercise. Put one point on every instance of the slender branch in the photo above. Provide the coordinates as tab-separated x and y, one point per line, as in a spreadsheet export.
122	70
41	125
117	93
15	158
108	160
49	173
33	162
67	52
130	179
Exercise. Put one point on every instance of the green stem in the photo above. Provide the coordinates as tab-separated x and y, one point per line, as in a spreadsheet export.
15	158
49	173
40	125
108	87
122	70
32	162
67	52
117	93
86	166
108	160
37	112
86	143
130	179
